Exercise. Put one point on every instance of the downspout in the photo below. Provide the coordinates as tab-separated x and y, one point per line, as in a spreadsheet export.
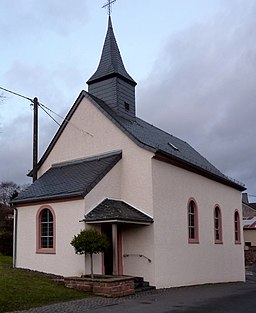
15	226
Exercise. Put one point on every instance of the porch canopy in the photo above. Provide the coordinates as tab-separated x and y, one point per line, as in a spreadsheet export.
116	211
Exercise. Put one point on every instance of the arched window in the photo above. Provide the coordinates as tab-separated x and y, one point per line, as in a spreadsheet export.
217	225
193	232
237	228
46	230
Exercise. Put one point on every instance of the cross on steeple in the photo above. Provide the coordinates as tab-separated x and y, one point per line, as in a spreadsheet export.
109	6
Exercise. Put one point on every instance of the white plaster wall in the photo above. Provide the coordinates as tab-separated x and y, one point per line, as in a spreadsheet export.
109	187
65	261
139	240
68	214
136	172
130	180
250	236
178	262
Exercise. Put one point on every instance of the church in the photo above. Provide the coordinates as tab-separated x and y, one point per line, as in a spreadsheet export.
171	216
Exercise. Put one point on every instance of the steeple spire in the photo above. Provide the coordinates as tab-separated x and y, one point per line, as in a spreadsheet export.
111	82
109	6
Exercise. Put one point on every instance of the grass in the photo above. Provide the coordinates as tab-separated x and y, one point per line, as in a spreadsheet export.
21	290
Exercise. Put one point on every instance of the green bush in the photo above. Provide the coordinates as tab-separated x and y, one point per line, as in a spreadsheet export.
90	241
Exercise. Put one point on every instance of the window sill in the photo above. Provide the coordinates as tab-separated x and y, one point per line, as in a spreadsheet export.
193	241
46	251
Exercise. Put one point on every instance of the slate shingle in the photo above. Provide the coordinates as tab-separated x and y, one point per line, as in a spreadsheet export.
157	140
111	82
116	210
111	60
70	179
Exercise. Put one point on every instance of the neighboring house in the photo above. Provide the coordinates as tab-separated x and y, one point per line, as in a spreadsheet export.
249	230
249	209
171	216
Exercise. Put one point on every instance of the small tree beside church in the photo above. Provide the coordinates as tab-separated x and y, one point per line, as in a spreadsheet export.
90	241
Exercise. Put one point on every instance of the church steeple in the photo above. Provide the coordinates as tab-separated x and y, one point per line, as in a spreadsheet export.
111	82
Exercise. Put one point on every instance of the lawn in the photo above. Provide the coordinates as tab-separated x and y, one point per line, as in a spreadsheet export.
20	290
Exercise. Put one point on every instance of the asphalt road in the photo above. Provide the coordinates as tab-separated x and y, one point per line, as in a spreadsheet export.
222	298
218	298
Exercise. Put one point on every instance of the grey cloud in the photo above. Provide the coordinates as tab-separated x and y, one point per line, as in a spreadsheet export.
202	89
52	86
15	157
56	89
54	15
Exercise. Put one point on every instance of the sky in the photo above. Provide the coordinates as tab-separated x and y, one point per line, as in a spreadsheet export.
194	62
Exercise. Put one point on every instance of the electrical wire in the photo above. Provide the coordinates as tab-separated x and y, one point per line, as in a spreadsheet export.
16	94
49	114
44	108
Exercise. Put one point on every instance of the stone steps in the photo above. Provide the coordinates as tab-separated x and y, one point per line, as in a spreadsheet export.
140	285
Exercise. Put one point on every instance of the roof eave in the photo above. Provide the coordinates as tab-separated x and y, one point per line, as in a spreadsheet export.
168	158
93	80
55	198
119	220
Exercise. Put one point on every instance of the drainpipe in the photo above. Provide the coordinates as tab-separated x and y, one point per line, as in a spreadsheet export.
15	236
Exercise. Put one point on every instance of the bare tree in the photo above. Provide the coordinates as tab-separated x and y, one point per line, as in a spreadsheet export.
9	190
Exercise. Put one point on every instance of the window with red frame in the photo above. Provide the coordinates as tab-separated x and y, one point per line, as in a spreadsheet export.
46	229
217	225
237	228
193	234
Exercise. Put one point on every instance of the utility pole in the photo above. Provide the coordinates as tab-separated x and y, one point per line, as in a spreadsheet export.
35	139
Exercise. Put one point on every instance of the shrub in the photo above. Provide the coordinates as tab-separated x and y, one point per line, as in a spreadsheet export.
90	241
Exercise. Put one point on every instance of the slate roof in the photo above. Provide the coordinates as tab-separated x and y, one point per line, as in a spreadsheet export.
69	179
249	222
118	211
111	63
158	141
153	139
253	205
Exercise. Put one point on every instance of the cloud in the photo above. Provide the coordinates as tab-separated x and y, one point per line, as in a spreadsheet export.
48	84
15	150
56	88
40	16
202	89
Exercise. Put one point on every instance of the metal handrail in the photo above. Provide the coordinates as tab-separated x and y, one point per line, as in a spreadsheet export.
137	255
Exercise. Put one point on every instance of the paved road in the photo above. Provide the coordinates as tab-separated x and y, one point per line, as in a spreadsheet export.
220	298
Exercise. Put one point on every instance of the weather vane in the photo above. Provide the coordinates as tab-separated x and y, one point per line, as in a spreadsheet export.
108	5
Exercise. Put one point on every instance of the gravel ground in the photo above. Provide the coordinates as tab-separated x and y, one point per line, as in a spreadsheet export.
83	305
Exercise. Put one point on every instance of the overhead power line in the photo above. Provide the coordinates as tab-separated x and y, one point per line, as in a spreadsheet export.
16	94
44	108
48	114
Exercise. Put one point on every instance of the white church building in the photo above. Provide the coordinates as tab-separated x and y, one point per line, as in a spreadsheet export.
171	216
